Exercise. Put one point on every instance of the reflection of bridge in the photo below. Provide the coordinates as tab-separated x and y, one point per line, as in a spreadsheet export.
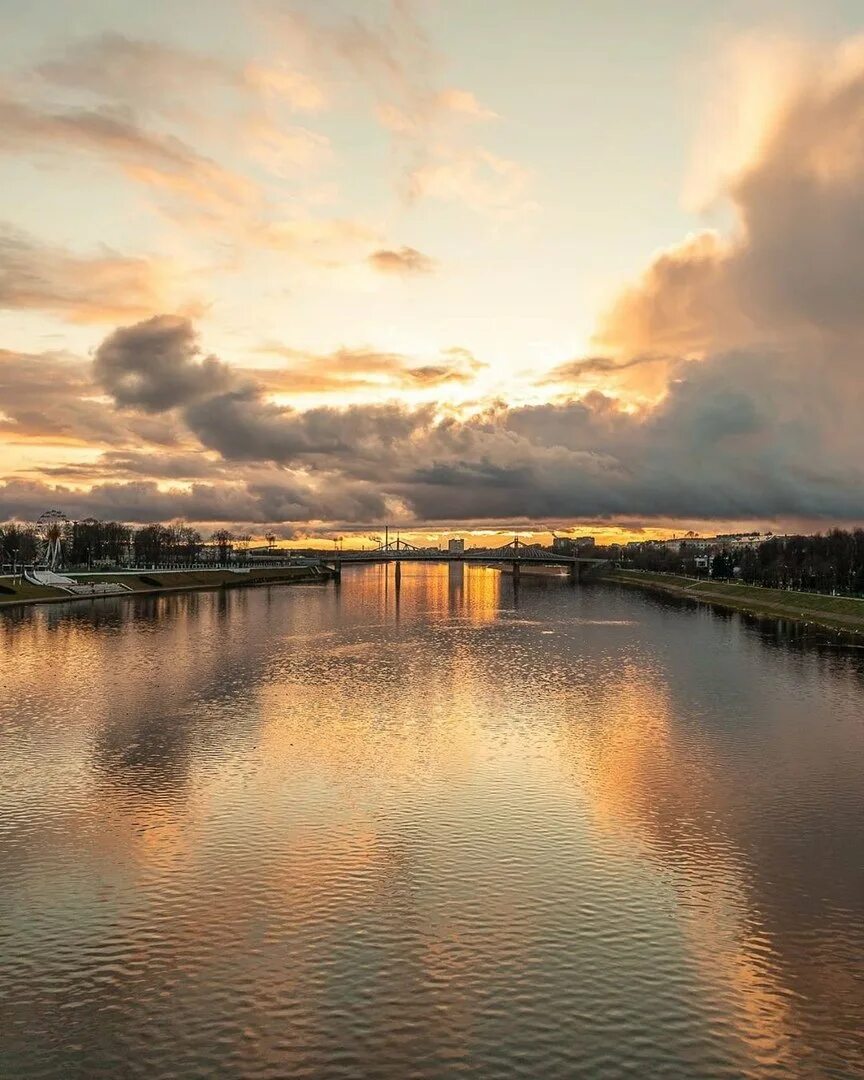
515	555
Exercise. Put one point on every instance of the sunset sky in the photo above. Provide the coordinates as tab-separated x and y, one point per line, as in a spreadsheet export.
318	265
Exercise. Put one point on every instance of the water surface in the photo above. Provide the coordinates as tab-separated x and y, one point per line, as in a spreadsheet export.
440	831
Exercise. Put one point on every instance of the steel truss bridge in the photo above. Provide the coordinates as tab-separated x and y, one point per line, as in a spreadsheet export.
515	555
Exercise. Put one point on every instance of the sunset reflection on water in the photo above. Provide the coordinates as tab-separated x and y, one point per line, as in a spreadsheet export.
331	830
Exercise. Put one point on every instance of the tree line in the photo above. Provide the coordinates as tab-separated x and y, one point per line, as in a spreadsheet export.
827	562
833	562
90	542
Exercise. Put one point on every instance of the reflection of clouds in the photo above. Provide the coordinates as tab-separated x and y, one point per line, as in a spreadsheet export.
647	783
231	761
693	800
357	831
119	705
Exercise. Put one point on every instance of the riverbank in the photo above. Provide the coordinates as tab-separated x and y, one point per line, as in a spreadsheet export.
141	582
834	612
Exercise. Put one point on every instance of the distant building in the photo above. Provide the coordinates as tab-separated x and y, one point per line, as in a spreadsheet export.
571	545
456	547
654	545
746	540
680	545
697	543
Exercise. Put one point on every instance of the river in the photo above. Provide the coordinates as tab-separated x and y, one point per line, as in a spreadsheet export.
444	830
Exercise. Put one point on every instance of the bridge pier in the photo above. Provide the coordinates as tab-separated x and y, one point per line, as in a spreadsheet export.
516	571
573	572
398	574
337	571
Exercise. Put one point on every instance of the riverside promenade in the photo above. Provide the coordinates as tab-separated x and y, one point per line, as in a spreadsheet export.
29	587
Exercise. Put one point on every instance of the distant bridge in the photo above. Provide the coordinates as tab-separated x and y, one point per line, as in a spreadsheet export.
516	554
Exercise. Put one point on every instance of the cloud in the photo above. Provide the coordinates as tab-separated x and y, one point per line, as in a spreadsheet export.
736	436
390	56
280	81
729	440
286	151
404	260
639	378
479	179
149	74
316	373
277	500
431	112
47	396
127	464
155	366
435	375
464	103
794	263
144	108
168	401
114	134
574	370
758	335
752	343
360	368
101	288
161	78
241	426
51	398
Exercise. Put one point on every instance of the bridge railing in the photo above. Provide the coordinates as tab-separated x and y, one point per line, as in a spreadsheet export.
498	555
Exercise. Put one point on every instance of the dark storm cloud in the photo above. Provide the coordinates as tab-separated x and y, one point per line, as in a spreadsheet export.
141	501
243	427
277	499
152	464
336	500
736	436
155	366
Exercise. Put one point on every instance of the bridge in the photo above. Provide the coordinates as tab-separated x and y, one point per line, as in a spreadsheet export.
514	555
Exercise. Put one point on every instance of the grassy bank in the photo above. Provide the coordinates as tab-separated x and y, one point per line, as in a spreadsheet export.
156	581
836	612
22	592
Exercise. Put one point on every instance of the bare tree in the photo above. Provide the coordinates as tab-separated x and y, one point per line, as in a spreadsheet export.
243	542
224	541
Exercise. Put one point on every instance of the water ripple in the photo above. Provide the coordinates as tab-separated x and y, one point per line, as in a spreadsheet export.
441	831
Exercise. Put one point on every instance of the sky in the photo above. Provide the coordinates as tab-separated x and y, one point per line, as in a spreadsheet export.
459	266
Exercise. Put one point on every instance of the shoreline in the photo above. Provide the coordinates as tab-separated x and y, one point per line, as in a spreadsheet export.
841	613
150	583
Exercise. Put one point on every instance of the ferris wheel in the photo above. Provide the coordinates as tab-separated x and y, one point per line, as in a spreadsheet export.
50	526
